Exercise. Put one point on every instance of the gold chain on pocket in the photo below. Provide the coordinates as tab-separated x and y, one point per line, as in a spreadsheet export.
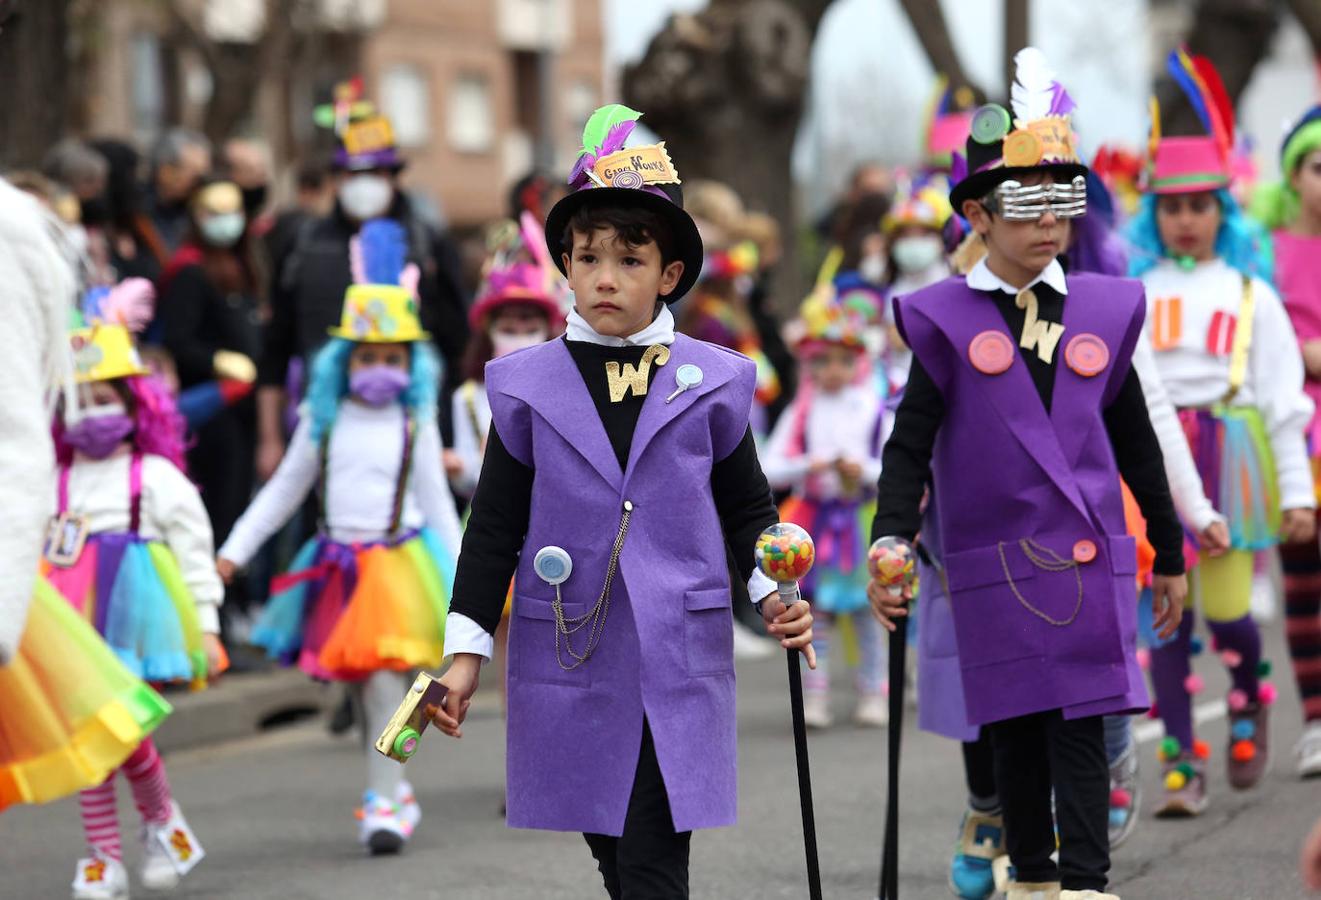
593	619
1048	561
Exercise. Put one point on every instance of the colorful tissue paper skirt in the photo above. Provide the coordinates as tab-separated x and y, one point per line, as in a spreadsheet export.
133	593
344	611
1234	459
70	712
838	580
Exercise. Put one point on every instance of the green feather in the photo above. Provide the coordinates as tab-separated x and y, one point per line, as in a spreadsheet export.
605	118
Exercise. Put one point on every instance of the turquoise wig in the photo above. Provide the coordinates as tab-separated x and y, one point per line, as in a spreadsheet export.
329	384
1241	242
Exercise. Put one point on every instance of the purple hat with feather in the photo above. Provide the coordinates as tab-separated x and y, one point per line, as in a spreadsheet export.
1038	135
607	173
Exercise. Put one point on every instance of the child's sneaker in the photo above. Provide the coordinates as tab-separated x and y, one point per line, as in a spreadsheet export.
872	711
409	812
170	850
1125	797
816	709
383	826
1184	777
100	878
1249	751
1087	895
981	840
1308	751
1034	890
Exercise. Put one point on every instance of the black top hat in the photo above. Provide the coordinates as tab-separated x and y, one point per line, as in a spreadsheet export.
608	175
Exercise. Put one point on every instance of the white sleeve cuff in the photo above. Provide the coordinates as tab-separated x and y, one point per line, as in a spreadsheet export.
208	617
463	635
759	586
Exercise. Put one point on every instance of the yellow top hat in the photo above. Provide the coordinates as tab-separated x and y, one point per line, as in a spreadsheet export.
105	352
379	314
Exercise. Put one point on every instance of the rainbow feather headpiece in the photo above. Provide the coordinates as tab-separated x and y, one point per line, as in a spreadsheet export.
381	305
1201	162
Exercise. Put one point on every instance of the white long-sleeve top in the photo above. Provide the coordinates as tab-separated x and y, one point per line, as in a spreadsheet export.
362	473
36	292
171	512
472	423
838	426
1191	317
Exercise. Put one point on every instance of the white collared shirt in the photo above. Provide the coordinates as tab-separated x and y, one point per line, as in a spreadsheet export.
981	278
660	331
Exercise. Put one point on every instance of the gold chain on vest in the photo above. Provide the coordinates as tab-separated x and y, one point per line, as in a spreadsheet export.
1055	563
567	626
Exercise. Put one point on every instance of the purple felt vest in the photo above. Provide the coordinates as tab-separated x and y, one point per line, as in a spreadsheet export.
667	648
1018	489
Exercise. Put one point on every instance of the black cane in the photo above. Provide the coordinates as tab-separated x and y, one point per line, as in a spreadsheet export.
889	887
785	554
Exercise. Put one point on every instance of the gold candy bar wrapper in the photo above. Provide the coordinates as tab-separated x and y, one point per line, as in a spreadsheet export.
402	736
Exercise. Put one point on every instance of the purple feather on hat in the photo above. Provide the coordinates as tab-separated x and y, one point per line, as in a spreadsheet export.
1061	104
958	168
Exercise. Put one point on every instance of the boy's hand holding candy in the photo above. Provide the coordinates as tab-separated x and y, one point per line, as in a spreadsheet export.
892	563
785	554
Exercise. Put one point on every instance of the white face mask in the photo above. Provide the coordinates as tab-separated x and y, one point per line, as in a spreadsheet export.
223	230
872	268
917	254
366	196
506	342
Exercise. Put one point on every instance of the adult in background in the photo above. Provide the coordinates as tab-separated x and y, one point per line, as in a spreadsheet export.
212	327
179	162
308	291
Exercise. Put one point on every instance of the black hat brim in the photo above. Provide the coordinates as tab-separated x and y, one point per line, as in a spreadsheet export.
687	241
978	185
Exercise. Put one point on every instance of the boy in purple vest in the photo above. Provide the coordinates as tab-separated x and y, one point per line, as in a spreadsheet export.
625	447
1021	413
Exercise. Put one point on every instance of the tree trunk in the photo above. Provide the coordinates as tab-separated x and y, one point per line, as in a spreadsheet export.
725	88
928	20
1016	36
1235	35
34	69
1308	14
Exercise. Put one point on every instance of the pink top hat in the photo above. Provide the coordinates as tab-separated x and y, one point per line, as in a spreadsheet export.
1182	165
518	283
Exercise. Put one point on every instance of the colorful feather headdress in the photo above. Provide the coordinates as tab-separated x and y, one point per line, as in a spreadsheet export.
603	161
381	305
1195	163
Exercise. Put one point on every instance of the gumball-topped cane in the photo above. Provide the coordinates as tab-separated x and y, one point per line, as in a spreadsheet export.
892	563
785	554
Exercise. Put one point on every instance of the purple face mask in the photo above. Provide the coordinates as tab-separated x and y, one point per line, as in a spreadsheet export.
100	431
378	385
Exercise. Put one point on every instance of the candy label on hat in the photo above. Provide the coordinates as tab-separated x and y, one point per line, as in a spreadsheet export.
368	136
991	352
1087	355
635	167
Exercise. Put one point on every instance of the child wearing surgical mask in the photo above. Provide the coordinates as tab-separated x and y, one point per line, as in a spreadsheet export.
365	600
130	548
913	230
522	305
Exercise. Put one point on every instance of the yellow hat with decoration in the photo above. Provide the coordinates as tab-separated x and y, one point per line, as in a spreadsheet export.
381	307
104	352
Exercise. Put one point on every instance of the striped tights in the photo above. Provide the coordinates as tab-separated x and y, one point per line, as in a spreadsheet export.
151	794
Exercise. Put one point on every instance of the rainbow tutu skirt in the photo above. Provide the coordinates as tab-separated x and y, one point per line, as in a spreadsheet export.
70	712
1234	460
133	593
840	528
344	611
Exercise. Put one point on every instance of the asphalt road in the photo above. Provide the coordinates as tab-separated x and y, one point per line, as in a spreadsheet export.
275	814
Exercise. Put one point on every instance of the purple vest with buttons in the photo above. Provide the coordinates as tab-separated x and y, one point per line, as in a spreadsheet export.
667	648
1041	570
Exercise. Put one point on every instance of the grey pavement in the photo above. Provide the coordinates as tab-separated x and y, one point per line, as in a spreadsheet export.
275	815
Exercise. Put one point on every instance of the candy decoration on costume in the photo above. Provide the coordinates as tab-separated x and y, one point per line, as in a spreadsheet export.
1201	749
1195	646
1264	668
1267	693
990	123
1237	700
1153	712
1168	749
1243	751
1087	355
892	563
785	553
991	352
1175	780
1243	730
1231	658
1194	684
1144	658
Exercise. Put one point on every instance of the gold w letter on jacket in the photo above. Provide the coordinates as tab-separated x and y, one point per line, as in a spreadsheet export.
1037	333
634	378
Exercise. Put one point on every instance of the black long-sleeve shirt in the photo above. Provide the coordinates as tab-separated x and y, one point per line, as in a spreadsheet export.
502	503
906	460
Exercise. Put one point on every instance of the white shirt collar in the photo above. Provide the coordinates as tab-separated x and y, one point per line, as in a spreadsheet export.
981	278
660	331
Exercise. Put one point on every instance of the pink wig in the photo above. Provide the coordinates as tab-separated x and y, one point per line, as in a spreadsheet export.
159	429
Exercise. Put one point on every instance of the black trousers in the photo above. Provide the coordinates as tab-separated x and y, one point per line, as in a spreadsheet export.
649	861
1034	754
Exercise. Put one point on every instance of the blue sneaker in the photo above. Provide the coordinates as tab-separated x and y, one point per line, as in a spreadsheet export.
981	840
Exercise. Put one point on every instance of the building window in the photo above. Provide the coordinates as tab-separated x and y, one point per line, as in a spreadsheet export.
146	78
406	99
471	118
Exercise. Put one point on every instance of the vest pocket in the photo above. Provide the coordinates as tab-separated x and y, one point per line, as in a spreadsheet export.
532	644
708	631
991	623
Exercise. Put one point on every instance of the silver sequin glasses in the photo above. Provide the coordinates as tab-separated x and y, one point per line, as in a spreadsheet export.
1021	202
